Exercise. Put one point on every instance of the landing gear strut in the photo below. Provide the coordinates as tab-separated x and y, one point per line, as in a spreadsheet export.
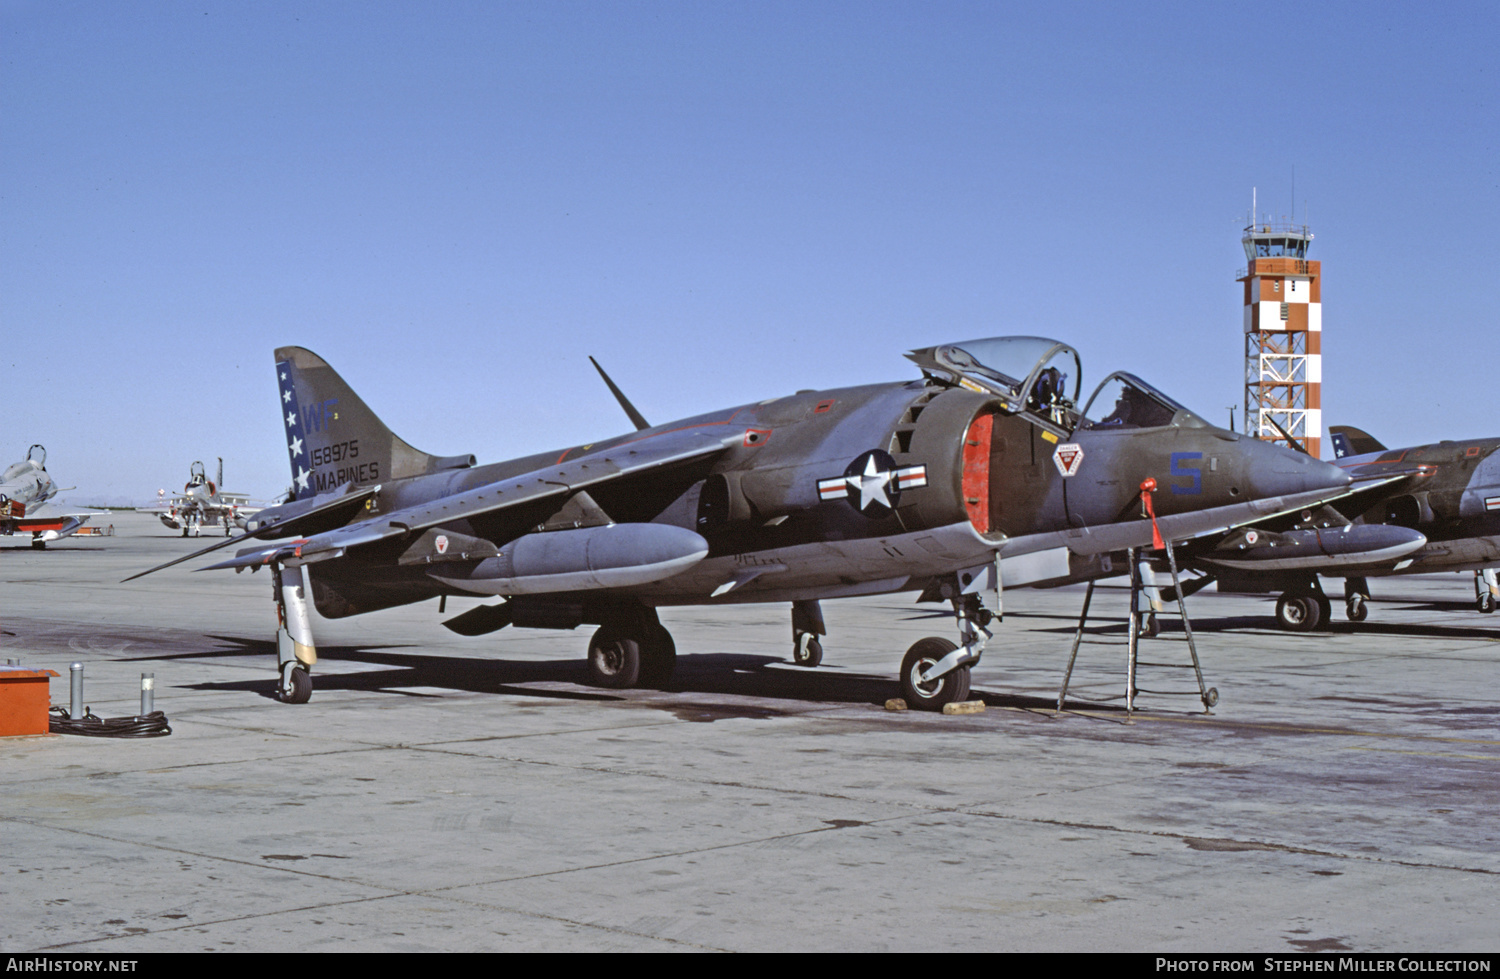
1147	601
295	652
1356	599
1486	590
807	626
936	672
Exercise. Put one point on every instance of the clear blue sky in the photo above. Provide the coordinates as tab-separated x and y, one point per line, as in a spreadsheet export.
455	203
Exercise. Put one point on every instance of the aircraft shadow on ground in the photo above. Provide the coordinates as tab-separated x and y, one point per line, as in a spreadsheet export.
1171	627
726	674
1443	605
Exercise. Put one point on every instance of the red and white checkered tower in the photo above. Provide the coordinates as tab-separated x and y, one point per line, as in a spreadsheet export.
1283	335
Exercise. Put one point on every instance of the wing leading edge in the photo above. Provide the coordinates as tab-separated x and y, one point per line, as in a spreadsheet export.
561	481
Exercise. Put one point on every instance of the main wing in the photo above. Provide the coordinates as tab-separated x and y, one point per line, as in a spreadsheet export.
560	481
54	516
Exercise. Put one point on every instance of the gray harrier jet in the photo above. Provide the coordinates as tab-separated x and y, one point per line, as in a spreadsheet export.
1443	498
981	472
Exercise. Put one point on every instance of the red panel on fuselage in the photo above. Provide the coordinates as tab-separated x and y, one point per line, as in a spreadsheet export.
976	481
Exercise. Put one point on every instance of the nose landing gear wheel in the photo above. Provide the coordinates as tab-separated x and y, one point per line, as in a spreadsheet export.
934	694
1487	604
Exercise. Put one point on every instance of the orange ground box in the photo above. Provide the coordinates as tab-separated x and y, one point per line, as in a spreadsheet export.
24	700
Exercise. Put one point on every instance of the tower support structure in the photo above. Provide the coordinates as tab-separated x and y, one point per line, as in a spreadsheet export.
1283	321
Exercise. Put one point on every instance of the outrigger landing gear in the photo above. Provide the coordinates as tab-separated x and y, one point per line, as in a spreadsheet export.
1356	599
1147	601
1486	590
807	626
295	653
935	672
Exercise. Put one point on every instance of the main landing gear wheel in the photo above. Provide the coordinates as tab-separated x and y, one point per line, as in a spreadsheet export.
807	651
1486	604
658	657
1149	627
1356	608
932	695
295	687
614	660
1299	612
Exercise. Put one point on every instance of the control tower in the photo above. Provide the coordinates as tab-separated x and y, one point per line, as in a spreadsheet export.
1283	335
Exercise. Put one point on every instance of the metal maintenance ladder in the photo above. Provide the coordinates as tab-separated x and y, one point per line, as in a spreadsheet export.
1208	695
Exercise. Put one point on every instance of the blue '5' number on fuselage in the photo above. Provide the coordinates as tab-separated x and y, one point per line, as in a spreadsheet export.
1193	472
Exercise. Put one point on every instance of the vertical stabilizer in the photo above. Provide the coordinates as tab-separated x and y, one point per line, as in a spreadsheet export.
333	437
1350	441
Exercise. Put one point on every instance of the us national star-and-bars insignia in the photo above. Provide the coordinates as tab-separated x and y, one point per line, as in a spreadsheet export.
872	484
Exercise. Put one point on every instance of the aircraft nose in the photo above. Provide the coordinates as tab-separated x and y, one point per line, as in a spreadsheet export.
1278	471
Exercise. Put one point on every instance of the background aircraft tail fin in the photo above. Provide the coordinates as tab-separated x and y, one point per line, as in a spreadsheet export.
333	437
1349	441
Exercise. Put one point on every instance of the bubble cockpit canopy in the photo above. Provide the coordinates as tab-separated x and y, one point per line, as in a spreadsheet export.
1034	375
1124	401
1041	378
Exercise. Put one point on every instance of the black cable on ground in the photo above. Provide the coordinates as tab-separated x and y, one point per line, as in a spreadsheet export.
152	725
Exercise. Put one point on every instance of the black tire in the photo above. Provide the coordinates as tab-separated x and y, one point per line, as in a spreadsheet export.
658	657
1356	608
947	689
1150	627
1298	612
614	660
301	691
1486	603
807	651
37	544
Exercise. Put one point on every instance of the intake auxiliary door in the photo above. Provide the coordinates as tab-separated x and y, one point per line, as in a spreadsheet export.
1010	484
